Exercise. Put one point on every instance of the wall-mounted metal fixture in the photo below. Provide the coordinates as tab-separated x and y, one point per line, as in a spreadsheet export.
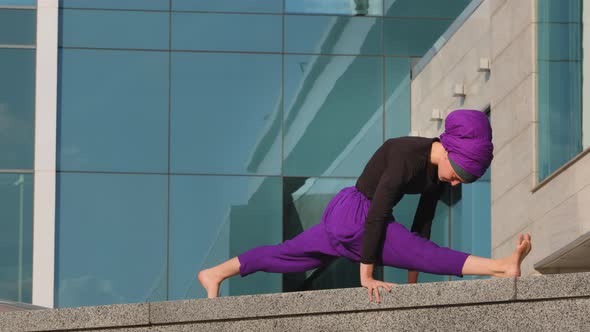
459	90
484	65
436	115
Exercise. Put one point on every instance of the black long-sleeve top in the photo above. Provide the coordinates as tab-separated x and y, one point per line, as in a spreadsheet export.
400	166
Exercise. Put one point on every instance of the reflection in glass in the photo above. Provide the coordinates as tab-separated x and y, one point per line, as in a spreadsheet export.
113	111
304	202
425	8
343	7
112	239
226	32
411	37
125	29
215	218
215	134
18	26
16	237
241	6
332	34
397	97
350	96
17	108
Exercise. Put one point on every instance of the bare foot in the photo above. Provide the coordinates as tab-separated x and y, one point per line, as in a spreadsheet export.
523	247
210	283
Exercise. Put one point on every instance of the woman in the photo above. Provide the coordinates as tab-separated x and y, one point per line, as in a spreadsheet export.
358	222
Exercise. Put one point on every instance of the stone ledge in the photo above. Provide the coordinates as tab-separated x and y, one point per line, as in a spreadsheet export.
76	318
533	303
333	301
553	286
551	315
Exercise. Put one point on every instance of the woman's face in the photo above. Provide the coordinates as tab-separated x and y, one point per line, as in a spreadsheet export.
446	172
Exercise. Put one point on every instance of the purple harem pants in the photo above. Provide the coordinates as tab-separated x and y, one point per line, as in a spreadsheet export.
340	235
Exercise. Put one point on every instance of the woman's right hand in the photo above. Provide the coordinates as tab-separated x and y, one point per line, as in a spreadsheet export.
373	286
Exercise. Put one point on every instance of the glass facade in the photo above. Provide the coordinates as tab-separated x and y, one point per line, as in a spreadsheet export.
471	219
16	236
215	218
560	113
111	243
17	108
118	119
201	115
18	24
191	131
331	131
126	29
18	3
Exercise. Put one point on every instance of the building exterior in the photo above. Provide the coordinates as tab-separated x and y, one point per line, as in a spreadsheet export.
535	92
146	140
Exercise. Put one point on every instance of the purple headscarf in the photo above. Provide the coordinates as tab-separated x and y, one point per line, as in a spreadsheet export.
468	140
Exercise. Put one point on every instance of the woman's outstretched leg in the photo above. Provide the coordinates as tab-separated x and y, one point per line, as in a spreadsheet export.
306	251
508	266
407	250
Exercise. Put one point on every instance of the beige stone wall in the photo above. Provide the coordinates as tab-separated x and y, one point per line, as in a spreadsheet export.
504	31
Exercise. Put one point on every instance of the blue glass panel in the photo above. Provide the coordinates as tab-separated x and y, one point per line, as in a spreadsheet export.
244	6
332	34
425	8
17	108
111	239
214	133
16	237
114	29
227	32
18	2
559	41
215	218
397	97
18	26
411	37
333	114
560	84
471	219
304	202
482	225
345	7
560	11
559	114
113	111
117	4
